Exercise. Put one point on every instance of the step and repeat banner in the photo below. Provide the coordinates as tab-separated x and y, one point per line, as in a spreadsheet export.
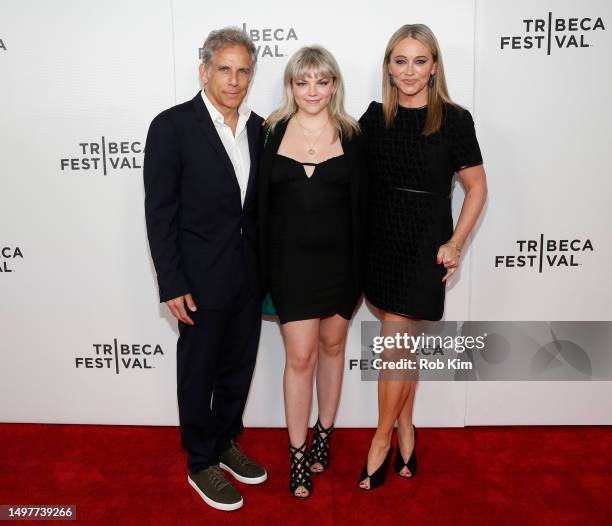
543	246
83	337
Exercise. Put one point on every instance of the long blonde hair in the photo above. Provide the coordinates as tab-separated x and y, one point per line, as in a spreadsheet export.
437	93
321	62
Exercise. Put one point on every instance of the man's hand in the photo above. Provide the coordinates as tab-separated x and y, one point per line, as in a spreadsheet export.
177	308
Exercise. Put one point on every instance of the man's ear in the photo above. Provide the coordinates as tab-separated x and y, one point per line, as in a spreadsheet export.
203	73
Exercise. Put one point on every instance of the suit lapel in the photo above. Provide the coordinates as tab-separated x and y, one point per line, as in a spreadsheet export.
208	128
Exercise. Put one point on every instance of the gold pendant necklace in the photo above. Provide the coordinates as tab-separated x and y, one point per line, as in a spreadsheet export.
311	150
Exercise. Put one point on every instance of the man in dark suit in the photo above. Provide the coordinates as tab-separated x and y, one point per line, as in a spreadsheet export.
200	166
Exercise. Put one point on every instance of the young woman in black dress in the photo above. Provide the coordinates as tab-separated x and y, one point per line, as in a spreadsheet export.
309	190
417	139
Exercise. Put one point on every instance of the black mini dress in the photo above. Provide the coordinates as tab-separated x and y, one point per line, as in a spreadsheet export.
309	239
409	205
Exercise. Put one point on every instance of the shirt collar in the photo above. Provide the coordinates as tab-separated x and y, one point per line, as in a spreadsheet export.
244	112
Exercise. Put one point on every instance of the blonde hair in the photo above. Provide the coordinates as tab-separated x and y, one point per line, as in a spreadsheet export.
321	62
437	93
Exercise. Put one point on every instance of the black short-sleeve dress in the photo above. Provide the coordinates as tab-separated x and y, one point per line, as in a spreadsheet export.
409	208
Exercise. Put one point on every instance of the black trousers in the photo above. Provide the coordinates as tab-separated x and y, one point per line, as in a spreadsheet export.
215	363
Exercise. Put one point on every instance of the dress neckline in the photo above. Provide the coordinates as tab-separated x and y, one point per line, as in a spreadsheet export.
315	165
412	109
310	164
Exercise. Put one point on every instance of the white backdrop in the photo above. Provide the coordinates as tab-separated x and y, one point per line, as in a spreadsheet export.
83	338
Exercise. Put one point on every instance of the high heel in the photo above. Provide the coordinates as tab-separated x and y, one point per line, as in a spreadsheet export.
299	472
411	464
379	476
319	452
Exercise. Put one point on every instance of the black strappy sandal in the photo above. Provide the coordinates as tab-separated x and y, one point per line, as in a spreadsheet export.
299	473
319	453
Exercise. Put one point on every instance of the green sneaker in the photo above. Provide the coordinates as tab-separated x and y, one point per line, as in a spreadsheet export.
215	489
240	466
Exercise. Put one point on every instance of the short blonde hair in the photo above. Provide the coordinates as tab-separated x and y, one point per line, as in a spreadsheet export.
321	62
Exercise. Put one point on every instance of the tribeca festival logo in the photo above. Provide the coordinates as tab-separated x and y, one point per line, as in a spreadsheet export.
268	41
554	33
8	256
120	356
546	253
106	156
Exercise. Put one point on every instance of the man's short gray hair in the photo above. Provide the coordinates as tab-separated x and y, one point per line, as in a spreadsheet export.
227	36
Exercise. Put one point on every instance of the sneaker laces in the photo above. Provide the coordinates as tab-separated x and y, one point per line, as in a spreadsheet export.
217	478
239	455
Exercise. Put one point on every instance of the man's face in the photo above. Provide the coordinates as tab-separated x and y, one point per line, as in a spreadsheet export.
227	81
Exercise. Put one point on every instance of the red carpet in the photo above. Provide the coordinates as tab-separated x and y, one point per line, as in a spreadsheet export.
121	475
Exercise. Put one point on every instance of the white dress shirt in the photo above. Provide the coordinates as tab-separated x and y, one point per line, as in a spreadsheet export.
237	147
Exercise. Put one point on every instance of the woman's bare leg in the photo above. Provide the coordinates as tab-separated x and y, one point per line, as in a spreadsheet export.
405	434
301	350
330	370
394	392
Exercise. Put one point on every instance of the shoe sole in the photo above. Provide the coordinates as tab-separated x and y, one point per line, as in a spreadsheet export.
244	480
214	504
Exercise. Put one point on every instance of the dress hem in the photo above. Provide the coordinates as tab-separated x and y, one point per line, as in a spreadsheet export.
318	317
391	311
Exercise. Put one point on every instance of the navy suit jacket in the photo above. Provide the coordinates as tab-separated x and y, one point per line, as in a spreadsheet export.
200	236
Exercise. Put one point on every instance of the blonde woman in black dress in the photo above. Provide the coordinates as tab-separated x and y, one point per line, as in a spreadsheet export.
417	139
309	190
